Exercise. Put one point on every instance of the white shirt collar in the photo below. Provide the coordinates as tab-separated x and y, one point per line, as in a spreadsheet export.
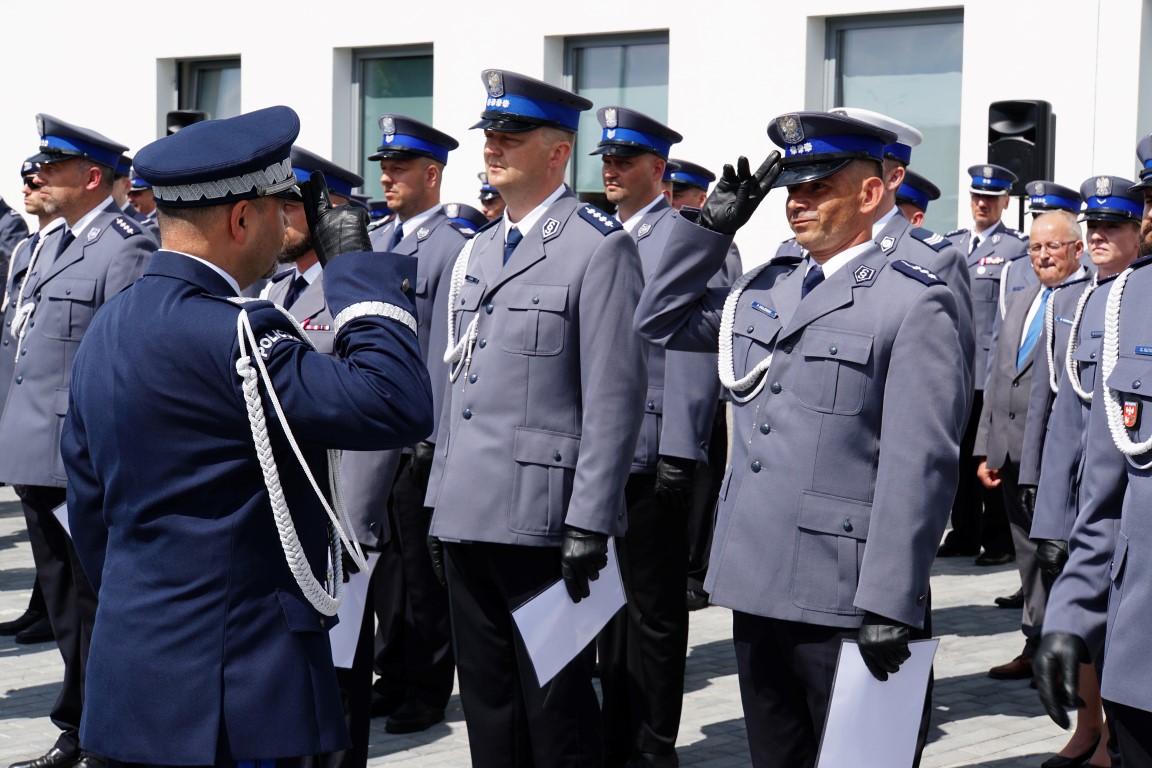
231	280
413	224
833	264
309	274
879	224
527	222
88	218
634	219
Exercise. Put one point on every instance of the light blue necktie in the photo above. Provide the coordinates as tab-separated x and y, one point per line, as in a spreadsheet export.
1034	328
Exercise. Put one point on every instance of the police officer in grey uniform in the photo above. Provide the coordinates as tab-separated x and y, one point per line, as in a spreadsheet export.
97	253
13	230
490	199
142	200
820	537
1100	599
539	426
913	196
414	656
643	649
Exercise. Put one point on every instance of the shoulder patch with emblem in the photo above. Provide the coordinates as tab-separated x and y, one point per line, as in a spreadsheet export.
916	272
463	229
126	227
936	242
604	223
956	232
1015	233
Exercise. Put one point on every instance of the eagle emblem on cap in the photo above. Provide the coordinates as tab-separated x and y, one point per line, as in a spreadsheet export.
483	176
988	171
791	129
610	117
1039	188
452	209
1103	186
39	125
388	125
494	79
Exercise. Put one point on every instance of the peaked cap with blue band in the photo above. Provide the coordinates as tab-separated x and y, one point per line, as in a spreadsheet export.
818	144
217	162
1112	198
63	141
989	179
135	182
465	215
685	174
627	133
339	180
405	137
487	191
917	190
123	166
518	103
29	167
907	137
1048	196
378	209
1144	155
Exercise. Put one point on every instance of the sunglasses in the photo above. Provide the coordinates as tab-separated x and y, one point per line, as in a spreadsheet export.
30	182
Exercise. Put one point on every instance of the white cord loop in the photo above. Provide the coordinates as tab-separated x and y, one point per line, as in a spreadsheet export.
1113	406
1004	289
458	355
1050	344
374	309
725	365
1070	364
25	310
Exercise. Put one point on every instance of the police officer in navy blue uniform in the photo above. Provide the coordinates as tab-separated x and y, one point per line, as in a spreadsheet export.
207	532
13	229
97	253
414	656
539	426
642	650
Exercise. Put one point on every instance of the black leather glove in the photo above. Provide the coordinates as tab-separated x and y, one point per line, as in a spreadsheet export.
582	555
1051	555
675	480
348	563
436	552
334	230
737	194
421	464
1057	671
1027	497
883	644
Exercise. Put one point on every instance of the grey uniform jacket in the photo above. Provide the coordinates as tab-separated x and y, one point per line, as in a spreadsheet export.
540	428
1062	470
845	463
683	388
1000	436
103	260
1041	397
18	266
1103	593
998	246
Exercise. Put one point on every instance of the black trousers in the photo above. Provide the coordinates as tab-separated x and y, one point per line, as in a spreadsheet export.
414	650
643	649
69	599
702	516
1133	731
968	508
513	721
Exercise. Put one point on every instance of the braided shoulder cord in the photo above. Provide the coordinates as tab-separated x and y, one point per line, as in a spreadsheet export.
1070	364
24	312
1050	345
458	355
1004	289
724	362
1113	407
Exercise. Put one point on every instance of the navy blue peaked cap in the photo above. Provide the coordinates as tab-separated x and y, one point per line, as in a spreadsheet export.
405	137
1112	198
989	179
62	141
487	191
1049	196
465	215
818	144
686	174
215	162
627	133
1144	155
339	180
517	103
917	190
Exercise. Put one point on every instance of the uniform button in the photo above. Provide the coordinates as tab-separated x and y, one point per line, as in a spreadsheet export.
467	413
5	342
404	286
19	379
775	387
1015	383
848	525
703	445
471	378
322	624
37	295
765	429
620	516
755	466
787	349
921	599
1136	384
556	456
651	405
24	351
832	350
67	292
535	299
751	328
1092	356
488	308
482	343
1011	414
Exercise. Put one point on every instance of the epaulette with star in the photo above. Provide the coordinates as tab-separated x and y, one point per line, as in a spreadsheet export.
378	223
127	227
1141	262
956	232
463	229
1016	233
281	274
931	239
1070	283
917	272
597	218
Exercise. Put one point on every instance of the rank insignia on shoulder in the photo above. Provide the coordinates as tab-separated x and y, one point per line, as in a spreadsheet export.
887	243
933	240
1016	233
125	226
550	228
765	310
1142	350
597	218
863	274
916	272
956	232
1131	413
1065	320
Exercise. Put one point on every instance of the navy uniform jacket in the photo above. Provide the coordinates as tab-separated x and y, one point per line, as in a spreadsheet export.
683	389
103	260
204	648
1102	594
13	230
1058	494
998	246
539	430
1062	304
819	519
1000	436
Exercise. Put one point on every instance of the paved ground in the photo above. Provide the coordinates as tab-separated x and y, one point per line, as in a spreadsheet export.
976	721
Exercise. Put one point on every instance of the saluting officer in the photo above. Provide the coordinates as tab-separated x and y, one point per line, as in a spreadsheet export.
97	253
819	537
540	425
203	515
414	656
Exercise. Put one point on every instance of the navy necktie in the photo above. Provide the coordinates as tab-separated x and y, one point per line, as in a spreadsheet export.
514	238
298	286
65	242
813	278
397	236
1034	328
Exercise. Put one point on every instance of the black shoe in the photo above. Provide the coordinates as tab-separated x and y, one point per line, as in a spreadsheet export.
995	558
40	632
1056	761
697	599
413	718
89	760
53	758
383	705
1015	600
952	550
18	625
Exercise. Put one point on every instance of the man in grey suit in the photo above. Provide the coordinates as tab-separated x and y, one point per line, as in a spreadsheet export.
1056	244
821	536
97	253
539	426
642	650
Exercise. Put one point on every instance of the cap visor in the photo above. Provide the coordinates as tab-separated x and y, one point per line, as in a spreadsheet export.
1107	214
620	150
989	191
505	126
1145	183
802	172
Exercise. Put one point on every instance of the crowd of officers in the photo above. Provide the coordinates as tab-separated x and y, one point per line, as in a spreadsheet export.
879	376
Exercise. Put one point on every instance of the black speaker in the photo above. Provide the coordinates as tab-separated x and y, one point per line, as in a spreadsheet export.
1022	138
182	118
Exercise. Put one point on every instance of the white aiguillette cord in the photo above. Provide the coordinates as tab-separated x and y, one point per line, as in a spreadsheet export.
325	599
724	363
1070	364
1113	407
458	355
